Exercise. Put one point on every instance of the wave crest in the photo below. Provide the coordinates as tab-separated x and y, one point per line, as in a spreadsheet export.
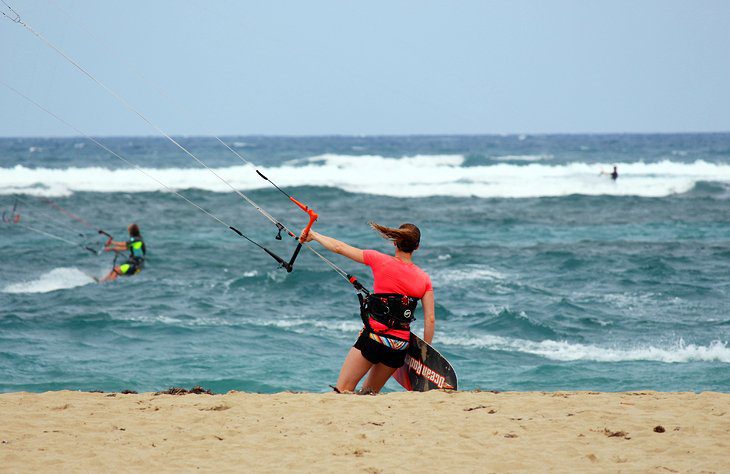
415	176
716	351
56	279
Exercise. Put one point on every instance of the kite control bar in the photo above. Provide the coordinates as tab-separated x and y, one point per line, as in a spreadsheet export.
109	239
313	216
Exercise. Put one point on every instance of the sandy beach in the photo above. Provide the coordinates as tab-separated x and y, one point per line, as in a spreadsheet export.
394	432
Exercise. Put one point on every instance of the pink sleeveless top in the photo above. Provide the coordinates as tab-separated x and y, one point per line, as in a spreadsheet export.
394	276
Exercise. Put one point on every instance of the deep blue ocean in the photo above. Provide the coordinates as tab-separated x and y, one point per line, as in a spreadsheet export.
548	275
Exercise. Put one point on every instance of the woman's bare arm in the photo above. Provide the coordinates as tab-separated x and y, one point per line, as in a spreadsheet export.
116	247
336	246
429	316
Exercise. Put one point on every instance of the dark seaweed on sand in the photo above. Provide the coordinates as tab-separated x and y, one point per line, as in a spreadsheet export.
197	390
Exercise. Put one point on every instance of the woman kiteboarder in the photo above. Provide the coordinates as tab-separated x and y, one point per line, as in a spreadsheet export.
387	313
137	252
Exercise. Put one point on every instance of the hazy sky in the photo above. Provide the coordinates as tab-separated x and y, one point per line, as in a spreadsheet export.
370	67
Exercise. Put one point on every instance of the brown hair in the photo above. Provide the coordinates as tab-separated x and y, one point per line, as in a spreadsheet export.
134	230
407	237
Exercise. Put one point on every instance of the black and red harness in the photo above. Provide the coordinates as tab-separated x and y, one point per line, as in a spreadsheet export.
393	310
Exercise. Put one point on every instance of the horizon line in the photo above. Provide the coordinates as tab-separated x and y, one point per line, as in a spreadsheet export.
374	135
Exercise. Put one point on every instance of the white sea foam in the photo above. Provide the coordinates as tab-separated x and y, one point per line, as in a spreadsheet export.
305	325
415	176
523	157
297	325
716	351
466	273
56	279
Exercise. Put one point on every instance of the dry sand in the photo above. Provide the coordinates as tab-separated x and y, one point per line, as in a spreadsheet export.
395	432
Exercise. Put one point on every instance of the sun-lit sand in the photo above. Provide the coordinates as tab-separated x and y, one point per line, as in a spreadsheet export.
395	432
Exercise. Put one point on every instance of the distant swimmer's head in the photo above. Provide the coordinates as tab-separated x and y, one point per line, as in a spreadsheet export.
406	237
133	230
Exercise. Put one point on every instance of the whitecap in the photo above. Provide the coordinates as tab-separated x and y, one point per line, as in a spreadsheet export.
412	176
679	352
523	158
466	273
56	279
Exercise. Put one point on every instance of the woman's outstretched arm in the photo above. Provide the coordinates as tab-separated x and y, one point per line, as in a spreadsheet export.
116	246
336	246
429	316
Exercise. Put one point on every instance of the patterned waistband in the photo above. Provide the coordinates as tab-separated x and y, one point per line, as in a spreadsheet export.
396	344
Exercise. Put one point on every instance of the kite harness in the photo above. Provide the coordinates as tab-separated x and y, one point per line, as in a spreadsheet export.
394	311
391	309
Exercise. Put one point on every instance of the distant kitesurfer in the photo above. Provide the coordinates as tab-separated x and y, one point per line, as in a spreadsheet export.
137	251
13	217
613	174
387	313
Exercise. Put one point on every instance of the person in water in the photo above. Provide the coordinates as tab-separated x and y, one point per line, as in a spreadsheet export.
613	174
137	251
398	284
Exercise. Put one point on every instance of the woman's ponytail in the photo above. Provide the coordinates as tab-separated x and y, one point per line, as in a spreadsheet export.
407	237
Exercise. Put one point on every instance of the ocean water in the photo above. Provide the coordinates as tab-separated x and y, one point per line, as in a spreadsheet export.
547	274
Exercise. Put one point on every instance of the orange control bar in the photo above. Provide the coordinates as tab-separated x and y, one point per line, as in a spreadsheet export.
313	216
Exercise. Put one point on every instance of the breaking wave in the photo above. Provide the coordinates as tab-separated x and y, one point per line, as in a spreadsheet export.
56	279
716	351
415	176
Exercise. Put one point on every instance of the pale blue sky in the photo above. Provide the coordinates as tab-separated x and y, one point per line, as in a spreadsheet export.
376	67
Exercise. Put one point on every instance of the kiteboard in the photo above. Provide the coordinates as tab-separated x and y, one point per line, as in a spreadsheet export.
425	368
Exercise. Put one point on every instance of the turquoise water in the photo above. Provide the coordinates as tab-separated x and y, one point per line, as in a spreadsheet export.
547	274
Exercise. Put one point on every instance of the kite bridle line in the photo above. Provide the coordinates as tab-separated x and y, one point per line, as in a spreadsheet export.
288	265
14	218
136	167
313	216
161	91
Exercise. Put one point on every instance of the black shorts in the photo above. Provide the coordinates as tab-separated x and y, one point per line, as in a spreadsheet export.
378	353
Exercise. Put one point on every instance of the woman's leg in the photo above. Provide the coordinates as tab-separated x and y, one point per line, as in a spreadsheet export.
379	374
353	369
112	274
